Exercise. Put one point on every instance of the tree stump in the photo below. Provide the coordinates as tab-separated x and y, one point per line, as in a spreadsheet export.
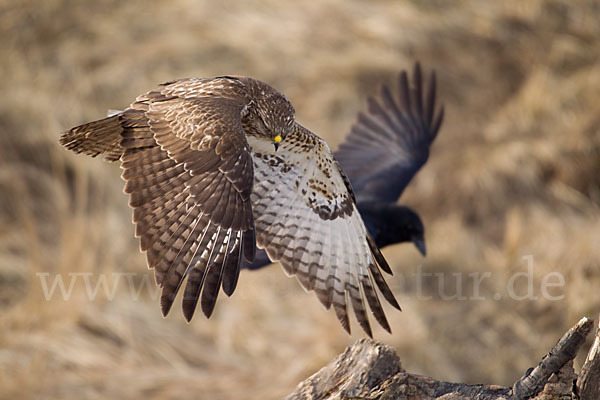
369	370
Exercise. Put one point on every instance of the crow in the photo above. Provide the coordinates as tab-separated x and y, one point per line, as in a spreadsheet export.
384	150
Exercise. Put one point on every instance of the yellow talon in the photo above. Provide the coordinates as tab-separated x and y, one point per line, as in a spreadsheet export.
277	139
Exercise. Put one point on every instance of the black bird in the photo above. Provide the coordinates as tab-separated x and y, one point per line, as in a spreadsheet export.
382	153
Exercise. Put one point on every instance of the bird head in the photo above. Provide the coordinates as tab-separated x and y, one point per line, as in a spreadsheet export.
391	223
277	115
269	114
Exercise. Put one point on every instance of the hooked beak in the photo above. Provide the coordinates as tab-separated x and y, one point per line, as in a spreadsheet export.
276	141
420	245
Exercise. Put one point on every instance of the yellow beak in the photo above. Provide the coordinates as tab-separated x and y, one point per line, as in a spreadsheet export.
276	140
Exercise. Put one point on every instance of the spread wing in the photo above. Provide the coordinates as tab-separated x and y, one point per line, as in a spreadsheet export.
189	175
386	147
306	218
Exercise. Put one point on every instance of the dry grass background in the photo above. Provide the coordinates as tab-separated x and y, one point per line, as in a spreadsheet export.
514	172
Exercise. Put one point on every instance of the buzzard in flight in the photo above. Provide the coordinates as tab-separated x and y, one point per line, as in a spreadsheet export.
217	167
384	150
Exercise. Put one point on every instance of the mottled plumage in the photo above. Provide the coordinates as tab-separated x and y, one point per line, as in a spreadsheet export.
215	167
385	148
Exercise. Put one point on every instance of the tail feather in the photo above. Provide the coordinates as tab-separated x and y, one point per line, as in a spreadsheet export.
95	138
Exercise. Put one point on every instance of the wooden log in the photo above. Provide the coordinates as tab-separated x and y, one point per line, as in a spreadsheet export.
369	370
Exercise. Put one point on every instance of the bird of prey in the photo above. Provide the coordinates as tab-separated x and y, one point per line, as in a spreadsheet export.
217	167
382	153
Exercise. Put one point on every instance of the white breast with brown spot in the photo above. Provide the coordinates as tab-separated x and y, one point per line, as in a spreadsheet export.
305	217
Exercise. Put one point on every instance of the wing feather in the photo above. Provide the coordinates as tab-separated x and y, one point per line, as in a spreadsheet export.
189	176
214	273
175	263
386	147
231	267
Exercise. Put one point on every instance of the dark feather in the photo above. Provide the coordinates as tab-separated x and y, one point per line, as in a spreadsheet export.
231	268
388	146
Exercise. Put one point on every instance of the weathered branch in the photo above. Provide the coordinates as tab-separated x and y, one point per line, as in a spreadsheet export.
369	370
588	383
564	351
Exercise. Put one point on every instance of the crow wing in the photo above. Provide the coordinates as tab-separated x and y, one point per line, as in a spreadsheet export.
386	147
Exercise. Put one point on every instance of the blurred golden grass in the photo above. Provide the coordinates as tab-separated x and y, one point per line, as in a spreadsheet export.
514	172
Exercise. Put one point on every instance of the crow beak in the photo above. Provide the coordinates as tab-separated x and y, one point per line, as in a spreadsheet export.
276	141
420	245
